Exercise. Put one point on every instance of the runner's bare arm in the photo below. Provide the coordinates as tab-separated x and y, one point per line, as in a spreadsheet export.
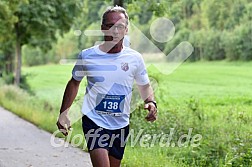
147	95
70	93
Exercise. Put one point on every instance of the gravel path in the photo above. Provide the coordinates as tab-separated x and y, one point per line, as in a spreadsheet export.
24	145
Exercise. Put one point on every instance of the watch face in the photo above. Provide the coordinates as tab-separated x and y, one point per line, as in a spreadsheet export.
155	103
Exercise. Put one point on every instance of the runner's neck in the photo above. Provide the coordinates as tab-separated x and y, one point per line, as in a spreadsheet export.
111	48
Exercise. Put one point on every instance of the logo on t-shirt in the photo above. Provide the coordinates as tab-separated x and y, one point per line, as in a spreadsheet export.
125	66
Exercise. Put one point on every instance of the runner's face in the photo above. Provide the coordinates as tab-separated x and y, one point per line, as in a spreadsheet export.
115	27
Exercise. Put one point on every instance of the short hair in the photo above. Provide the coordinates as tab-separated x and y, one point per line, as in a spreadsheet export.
118	9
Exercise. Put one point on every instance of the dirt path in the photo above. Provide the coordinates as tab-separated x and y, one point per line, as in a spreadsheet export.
24	145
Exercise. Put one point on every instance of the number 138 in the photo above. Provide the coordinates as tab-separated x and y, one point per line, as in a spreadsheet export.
110	105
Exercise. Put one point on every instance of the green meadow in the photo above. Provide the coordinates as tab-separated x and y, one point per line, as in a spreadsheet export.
209	99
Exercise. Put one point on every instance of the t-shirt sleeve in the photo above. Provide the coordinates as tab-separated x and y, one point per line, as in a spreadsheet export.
78	71
141	75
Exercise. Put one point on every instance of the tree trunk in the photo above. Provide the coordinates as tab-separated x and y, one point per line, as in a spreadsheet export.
8	64
18	63
18	57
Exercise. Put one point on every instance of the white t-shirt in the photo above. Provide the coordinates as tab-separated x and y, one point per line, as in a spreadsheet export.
110	80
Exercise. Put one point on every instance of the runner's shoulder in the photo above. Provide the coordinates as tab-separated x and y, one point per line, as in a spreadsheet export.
132	52
85	52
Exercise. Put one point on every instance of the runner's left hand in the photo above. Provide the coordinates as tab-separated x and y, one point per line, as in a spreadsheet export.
152	115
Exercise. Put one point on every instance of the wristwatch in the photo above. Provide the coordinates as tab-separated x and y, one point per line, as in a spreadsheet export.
154	102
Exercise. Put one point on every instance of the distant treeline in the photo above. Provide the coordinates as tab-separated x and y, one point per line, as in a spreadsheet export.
217	30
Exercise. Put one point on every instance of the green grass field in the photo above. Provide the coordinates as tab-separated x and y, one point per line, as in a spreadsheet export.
208	81
212	98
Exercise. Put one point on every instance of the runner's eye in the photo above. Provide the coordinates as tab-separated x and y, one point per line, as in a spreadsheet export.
109	25
119	27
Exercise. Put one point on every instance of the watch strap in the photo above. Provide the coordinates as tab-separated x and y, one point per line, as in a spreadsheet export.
151	101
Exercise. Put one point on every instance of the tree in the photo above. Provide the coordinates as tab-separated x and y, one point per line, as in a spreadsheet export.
89	14
118	3
6	38
36	23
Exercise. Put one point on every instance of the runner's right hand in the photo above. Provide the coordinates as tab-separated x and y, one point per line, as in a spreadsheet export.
63	124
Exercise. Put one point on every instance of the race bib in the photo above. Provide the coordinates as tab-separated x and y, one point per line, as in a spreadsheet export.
110	104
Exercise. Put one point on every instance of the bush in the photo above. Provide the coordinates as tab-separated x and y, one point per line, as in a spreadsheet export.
180	36
238	43
24	84
8	78
66	46
211	45
33	56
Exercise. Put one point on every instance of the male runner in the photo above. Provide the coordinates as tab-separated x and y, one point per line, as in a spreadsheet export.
111	69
